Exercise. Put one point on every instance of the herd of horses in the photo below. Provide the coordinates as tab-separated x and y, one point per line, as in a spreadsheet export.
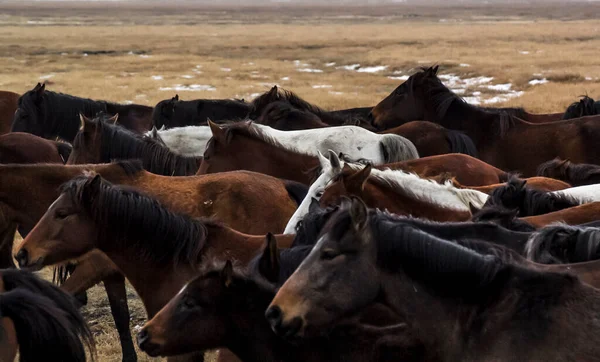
421	229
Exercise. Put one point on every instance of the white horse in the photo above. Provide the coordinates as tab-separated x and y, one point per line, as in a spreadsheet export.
583	194
187	141
329	169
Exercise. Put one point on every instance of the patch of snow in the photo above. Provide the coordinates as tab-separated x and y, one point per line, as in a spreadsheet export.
374	69
503	98
191	88
298	63
140	96
285	78
330	64
402	77
145	56
524	52
464	65
225	69
318	86
47	76
349	67
588	78
85	54
477	93
157	77
336	93
254	95
127	102
500	87
472	100
187	76
309	70
539	81
458	91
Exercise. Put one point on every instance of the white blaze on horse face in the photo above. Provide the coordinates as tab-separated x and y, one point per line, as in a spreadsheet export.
314	191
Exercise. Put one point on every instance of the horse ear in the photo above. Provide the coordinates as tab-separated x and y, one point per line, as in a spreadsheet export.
41	89
154	132
358	213
37	86
176	98
227	274
268	264
275	91
216	131
359	179
334	161
434	70
113	119
83	120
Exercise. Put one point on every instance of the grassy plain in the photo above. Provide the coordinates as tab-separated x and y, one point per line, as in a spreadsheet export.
133	52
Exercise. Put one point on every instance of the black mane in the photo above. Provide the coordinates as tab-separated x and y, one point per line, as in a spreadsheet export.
528	201
137	221
564	244
46	319
575	174
503	217
586	106
119	143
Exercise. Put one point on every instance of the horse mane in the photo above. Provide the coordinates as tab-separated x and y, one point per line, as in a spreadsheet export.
279	94
461	143
423	189
61	110
564	244
135	220
309	228
506	218
528	201
584	107
289	260
43	313
277	111
120	143
441	98
572	173
439	263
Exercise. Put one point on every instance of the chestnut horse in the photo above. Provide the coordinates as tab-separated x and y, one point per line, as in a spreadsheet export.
576	215
8	106
537	183
441	288
157	250
403	194
501	139
99	140
174	112
49	114
20	147
573	173
28	190
39	320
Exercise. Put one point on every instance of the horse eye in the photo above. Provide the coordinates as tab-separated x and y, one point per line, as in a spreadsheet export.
189	303
319	193
329	254
61	214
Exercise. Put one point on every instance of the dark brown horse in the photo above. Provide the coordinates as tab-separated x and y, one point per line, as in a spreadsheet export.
19	147
174	112
432	139
502	140
403	194
283	116
8	106
573	173
39	320
459	303
226	309
49	114
26	192
99	140
157	250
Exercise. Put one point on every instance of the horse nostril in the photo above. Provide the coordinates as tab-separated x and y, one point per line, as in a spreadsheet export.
294	327
273	315
142	337
22	258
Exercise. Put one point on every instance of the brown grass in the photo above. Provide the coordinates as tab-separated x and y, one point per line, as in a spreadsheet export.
260	46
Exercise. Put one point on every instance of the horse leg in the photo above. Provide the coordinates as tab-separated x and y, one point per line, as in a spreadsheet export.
92	269
117	297
6	244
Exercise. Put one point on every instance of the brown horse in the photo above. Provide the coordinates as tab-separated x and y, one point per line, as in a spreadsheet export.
234	198
460	304
99	140
157	250
49	114
403	194
39	320
576	215
575	174
537	183
19	147
432	139
8	106
285	117
235	148
502	140
229	307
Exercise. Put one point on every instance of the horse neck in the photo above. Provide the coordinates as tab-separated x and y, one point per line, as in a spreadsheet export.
227	243
277	161
385	197
571	216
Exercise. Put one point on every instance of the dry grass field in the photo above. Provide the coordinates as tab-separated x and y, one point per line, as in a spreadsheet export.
143	54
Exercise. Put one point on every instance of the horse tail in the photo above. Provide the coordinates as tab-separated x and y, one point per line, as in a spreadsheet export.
564	244
296	190
461	143
397	148
46	328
